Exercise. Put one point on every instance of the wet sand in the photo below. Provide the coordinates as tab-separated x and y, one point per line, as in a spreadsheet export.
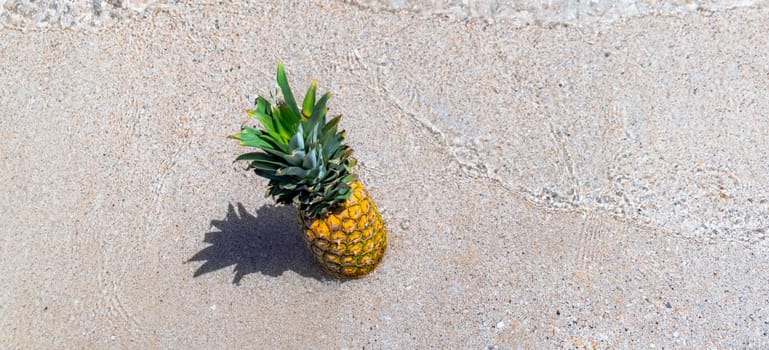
544	187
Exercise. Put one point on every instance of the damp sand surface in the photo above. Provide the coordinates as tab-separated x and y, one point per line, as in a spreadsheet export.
544	186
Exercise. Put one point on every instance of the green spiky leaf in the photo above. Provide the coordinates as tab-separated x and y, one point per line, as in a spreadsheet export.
309	100
286	90
318	114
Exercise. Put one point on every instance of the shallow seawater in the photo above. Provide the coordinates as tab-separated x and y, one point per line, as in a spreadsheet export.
664	137
598	143
97	14
524	12
74	14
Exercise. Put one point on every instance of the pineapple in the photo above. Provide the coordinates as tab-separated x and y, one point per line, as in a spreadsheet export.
308	165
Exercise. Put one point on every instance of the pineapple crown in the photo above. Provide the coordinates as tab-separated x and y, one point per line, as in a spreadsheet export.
301	153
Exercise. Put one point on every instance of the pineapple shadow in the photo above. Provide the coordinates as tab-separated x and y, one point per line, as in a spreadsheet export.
269	242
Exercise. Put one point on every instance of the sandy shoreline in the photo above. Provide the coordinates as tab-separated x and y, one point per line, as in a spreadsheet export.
543	187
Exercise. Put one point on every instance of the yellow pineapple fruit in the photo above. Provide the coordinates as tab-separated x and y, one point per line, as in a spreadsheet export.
309	166
351	240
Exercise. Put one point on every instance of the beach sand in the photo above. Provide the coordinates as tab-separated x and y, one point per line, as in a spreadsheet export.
544	186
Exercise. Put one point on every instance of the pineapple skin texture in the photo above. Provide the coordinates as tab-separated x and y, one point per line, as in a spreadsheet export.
350	241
